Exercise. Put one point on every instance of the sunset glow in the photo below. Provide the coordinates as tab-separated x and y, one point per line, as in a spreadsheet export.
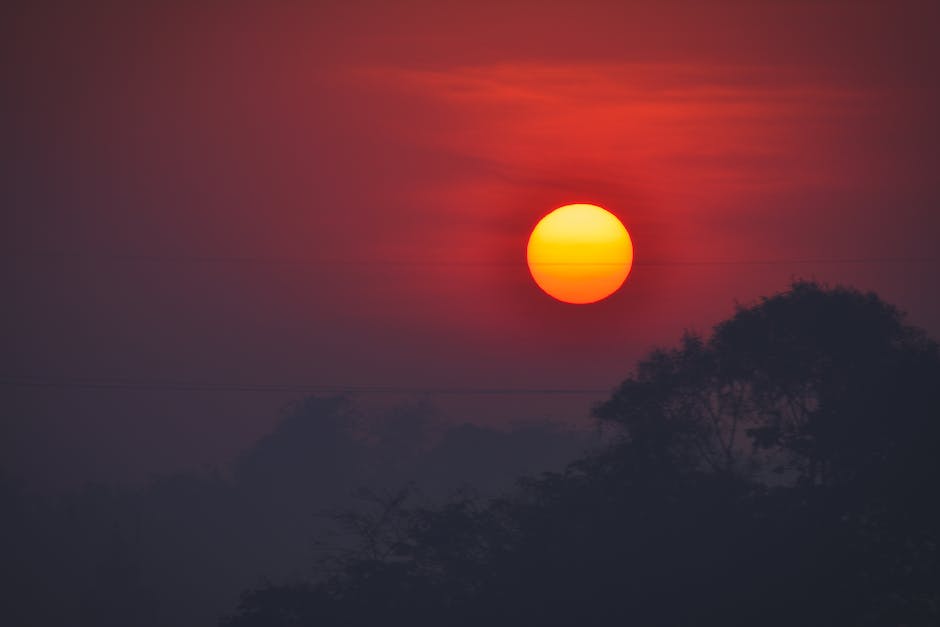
580	253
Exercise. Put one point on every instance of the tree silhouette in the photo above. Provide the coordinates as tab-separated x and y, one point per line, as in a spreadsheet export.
829	383
782	471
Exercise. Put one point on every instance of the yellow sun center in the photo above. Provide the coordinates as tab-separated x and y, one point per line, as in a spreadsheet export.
579	253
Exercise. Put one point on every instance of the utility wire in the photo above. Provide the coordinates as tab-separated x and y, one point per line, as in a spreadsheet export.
28	381
31	381
305	261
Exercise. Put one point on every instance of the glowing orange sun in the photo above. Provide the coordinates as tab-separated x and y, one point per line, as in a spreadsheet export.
580	253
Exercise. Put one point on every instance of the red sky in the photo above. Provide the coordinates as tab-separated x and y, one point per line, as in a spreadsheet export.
339	194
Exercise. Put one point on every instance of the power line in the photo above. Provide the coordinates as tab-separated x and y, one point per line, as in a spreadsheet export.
29	381
780	262
305	261
33	381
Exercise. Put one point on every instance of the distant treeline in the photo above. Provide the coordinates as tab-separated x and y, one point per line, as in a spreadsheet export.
177	551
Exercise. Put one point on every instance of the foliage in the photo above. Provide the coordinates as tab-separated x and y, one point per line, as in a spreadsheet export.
781	472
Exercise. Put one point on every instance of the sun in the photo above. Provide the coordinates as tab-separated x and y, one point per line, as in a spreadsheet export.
579	253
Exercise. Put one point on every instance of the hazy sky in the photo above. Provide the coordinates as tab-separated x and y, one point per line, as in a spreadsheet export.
339	195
